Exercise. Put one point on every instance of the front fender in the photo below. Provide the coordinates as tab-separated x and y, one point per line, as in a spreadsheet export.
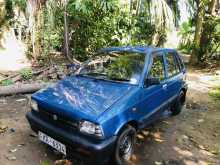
113	126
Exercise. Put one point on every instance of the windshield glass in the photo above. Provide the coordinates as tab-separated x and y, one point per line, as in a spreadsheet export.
116	66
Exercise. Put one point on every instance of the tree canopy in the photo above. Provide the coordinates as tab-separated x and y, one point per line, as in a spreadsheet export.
86	25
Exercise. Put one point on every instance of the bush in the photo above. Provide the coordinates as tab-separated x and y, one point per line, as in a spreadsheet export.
6	82
215	93
92	25
187	35
26	74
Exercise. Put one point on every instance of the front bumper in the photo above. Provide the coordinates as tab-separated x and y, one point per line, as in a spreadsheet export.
77	144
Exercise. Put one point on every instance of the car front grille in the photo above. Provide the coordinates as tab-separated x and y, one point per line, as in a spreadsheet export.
59	121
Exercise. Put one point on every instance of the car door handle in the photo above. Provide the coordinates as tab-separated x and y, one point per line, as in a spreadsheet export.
164	86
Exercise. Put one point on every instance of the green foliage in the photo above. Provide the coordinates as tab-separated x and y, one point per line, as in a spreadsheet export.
102	24
6	13
46	162
210	40
9	10
26	74
215	93
186	33
49	34
6	82
92	25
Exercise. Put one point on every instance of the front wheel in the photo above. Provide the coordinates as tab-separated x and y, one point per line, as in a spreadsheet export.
125	146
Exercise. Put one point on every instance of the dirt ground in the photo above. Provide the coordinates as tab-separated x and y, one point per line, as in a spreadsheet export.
192	138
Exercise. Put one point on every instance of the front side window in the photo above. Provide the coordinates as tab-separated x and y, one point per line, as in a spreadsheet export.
171	64
157	69
116	66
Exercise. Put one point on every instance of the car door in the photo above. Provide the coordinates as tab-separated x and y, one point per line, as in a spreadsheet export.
154	97
174	76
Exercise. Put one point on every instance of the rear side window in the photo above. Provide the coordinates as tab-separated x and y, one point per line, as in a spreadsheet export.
180	62
157	68
172	65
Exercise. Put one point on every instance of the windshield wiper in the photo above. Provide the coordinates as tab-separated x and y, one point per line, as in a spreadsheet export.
120	79
92	74
103	76
96	74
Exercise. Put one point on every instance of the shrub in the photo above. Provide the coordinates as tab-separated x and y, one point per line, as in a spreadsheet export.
6	82
26	74
215	93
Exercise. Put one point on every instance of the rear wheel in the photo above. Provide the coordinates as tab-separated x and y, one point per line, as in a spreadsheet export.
125	146
177	107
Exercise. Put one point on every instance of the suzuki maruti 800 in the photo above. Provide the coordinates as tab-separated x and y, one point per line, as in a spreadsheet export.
96	112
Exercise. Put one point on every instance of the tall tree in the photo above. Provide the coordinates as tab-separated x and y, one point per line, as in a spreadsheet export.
199	25
66	35
207	12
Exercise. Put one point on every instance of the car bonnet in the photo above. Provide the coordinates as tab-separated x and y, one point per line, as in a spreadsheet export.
82	97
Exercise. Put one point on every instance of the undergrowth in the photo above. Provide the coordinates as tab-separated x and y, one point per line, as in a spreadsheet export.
215	93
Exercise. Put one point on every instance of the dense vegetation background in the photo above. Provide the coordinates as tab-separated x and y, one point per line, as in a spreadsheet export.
77	28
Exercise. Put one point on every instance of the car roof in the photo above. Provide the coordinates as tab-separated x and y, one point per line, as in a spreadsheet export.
139	49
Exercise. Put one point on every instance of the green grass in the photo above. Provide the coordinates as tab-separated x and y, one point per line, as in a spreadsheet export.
46	162
215	93
6	82
26	73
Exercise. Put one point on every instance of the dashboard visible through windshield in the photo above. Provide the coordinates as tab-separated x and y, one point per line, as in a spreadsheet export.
116	66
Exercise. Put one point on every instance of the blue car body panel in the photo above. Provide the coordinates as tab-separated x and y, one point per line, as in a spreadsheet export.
82	97
112	104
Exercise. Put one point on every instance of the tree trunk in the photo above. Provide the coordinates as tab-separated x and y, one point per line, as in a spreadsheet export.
212	7
66	33
199	25
138	7
66	36
21	88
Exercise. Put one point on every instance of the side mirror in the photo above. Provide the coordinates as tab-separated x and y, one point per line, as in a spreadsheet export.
151	81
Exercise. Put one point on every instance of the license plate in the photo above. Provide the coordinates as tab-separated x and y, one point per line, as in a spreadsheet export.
52	142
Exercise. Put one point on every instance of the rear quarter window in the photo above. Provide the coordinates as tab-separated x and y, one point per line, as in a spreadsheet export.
179	62
172	64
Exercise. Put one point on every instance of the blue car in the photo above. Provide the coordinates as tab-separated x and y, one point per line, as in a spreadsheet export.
96	112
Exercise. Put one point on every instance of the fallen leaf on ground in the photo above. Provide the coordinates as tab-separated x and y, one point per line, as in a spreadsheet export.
20	100
201	147
185	137
159	140
158	163
166	122
133	157
63	162
10	157
146	133
139	136
13	150
33	135
20	145
157	135
201	120
204	152
3	128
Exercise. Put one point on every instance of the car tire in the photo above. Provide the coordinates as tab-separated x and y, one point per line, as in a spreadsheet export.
177	107
125	146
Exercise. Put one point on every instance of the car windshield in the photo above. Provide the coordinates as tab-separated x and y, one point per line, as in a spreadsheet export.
116	66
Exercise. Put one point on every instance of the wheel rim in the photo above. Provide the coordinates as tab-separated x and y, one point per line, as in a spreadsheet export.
125	148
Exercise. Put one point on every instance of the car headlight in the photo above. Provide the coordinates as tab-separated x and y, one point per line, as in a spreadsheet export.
34	105
91	128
